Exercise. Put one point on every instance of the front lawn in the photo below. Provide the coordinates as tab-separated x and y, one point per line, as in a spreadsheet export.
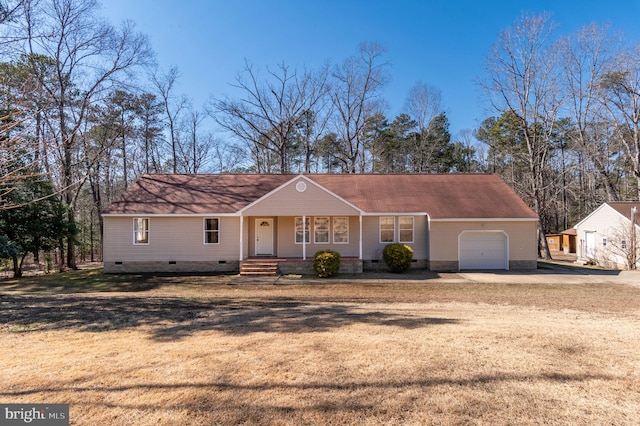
195	350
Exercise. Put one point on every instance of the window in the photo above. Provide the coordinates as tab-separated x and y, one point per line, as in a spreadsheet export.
302	234
604	242
211	231
321	230
140	230
387	229
405	226
623	245
340	230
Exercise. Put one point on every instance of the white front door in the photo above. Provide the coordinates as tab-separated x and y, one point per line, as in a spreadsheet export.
264	237
589	244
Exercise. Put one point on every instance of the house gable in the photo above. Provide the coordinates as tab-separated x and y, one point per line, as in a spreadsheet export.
300	197
605	236
599	210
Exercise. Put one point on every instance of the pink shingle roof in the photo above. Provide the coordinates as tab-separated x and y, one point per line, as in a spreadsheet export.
441	196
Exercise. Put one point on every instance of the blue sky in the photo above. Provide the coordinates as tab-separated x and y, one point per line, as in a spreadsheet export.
442	43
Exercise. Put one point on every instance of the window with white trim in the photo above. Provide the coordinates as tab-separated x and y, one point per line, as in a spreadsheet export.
405	228
341	230
141	230
212	230
302	232
321	230
387	229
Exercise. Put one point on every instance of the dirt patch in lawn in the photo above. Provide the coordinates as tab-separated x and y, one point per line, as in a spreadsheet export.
202	353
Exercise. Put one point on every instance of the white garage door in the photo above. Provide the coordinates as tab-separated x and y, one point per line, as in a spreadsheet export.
483	250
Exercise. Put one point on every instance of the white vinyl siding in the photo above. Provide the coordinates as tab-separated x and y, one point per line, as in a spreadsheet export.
314	201
605	237
521	234
171	238
286	245
141	230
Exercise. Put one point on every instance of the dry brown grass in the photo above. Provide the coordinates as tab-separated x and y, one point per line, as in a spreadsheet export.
365	353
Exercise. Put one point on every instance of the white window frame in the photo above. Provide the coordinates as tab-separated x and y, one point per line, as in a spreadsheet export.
318	227
296	224
210	231
393	236
400	229
337	226
136	231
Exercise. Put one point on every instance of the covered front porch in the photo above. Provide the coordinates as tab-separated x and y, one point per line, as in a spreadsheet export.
296	239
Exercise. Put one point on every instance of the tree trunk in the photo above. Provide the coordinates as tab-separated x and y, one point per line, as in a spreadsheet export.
17	267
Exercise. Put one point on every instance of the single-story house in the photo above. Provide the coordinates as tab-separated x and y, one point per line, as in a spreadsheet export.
607	237
218	222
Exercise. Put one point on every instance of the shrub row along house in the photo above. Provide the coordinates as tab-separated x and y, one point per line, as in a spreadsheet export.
218	222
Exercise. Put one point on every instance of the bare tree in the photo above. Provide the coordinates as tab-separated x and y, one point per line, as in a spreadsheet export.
277	115
622	101
89	57
173	107
522	78
195	146
586	57
149	110
356	98
423	104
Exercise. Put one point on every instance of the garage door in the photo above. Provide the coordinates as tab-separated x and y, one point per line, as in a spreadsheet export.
483	250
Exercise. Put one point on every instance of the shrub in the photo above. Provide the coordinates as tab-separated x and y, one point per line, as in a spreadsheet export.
326	263
397	257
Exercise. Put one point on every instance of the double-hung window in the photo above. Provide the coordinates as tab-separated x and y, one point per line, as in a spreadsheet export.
302	232
341	230
405	227
141	230
321	230
387	229
211	230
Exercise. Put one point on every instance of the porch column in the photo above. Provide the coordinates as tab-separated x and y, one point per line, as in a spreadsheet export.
304	237
241	236
360	237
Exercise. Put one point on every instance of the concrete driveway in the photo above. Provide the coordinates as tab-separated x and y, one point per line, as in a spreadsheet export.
555	274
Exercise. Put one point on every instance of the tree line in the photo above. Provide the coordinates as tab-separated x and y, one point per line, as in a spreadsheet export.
85	110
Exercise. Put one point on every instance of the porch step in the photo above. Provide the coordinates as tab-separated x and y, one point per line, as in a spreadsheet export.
259	267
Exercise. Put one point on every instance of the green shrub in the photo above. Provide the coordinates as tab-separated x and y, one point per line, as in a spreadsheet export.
326	263
397	257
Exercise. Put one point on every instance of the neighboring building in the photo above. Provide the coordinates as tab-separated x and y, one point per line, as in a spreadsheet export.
203	223
569	243
606	236
554	241
564	242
